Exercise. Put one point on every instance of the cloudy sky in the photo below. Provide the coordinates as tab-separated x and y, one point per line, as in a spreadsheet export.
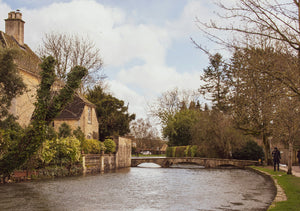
145	44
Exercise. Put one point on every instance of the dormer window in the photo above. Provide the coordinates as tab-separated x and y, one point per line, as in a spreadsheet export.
89	115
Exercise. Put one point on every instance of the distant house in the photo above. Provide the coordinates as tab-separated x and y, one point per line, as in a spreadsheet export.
79	113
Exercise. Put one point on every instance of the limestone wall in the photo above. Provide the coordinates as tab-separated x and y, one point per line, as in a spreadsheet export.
89	127
23	105
95	163
123	152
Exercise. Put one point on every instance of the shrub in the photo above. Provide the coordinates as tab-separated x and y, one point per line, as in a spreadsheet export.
68	150
64	130
187	152
180	151
110	146
194	150
173	151
169	151
50	133
91	146
250	151
47	152
79	134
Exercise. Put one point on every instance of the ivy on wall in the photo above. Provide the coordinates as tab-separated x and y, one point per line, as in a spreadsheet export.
47	107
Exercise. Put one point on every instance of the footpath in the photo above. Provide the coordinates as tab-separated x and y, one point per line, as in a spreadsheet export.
295	170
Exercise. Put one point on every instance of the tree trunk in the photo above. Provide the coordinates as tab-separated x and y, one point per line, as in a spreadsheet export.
267	149
298	4
290	157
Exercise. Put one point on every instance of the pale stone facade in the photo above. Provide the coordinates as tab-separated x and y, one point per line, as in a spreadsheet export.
80	113
23	106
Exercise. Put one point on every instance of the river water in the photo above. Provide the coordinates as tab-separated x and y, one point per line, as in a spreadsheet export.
144	189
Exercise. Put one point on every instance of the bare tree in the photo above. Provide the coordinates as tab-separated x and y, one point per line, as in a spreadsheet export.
72	50
143	129
170	102
274	22
287	124
277	21
254	93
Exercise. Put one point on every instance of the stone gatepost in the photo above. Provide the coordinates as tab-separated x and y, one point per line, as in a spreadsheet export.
83	164
102	165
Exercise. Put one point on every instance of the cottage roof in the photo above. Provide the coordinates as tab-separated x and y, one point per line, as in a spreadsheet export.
75	108
26	59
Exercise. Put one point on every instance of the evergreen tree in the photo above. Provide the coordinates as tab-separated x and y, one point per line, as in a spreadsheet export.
215	77
178	128
64	130
112	114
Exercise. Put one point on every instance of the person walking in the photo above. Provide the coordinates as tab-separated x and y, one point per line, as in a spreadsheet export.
276	158
298	156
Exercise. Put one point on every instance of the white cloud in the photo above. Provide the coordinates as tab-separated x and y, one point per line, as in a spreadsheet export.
120	41
137	103
4	10
156	79
186	25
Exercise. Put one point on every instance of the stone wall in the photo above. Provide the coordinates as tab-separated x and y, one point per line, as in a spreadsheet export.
95	163
123	155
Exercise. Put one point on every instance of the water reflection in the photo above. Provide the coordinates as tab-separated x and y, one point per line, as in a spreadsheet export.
144	189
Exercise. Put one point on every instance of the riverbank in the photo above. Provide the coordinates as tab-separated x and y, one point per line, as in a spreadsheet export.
288	189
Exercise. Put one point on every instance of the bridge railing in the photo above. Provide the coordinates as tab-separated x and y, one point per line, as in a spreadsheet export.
206	162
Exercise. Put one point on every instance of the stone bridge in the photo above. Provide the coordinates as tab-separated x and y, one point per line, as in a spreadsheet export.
206	162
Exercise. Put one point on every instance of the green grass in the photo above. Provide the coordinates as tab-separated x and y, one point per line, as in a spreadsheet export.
291	186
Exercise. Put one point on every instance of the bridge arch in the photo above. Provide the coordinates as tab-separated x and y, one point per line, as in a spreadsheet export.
152	165
138	161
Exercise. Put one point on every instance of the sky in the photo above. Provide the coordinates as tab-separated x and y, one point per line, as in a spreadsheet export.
145	44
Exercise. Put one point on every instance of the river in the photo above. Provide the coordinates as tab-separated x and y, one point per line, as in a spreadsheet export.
140	188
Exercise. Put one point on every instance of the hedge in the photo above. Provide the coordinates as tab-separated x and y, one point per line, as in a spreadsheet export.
183	151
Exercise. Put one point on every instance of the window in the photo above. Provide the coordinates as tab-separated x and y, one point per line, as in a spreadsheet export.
89	115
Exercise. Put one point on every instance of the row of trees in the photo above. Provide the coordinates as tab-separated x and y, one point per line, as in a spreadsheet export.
267	51
255	92
245	102
210	129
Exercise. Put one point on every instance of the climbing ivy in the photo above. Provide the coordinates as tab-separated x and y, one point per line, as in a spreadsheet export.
47	108
11	83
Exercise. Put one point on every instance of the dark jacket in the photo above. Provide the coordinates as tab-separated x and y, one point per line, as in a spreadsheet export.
276	155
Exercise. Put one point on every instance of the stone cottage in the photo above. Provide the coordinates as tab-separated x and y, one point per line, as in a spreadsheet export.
79	113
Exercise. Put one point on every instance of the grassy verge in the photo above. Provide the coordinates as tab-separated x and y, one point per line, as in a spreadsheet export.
291	187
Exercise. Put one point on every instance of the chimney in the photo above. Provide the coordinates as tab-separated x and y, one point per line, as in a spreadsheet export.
14	26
